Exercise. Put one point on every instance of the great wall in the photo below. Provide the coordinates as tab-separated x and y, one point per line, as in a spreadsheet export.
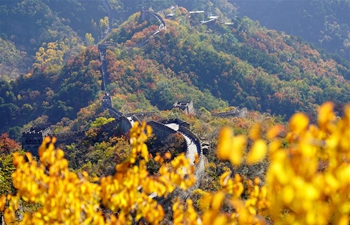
160	130
32	138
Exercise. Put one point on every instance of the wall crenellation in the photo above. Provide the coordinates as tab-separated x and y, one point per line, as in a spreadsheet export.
237	112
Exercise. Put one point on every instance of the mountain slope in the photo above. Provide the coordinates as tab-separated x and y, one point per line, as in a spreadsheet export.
239	64
248	65
325	23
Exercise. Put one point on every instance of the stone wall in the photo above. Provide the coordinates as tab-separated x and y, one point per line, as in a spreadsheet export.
141	114
148	15
125	124
177	121
193	137
237	112
115	113
160	131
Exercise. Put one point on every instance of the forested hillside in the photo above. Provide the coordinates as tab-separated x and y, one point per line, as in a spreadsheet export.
244	64
239	64
325	23
27	25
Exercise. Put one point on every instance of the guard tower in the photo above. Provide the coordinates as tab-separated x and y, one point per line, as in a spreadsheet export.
33	137
107	101
185	106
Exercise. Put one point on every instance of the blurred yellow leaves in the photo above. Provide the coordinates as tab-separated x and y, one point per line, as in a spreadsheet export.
307	182
232	147
257	152
69	198
229	147
298	123
304	178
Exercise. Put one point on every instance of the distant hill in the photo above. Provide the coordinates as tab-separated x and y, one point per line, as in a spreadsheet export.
27	25
325	23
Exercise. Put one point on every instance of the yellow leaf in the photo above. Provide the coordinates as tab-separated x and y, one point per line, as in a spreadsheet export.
224	178
220	220
325	114
167	155
288	194
237	149
224	142
9	215
217	200
254	132
258	152
2	203
298	122
344	220
59	154
144	152
274	131
29	156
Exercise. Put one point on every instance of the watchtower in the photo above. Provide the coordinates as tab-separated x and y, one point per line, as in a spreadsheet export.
185	106
107	101
33	137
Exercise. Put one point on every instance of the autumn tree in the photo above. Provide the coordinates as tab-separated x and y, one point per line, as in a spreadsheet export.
104	24
89	39
49	54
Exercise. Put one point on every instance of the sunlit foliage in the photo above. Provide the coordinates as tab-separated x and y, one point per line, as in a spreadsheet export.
306	183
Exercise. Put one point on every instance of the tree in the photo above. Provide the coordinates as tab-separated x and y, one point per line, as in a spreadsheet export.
89	39
104	24
101	121
7	145
9	113
49	54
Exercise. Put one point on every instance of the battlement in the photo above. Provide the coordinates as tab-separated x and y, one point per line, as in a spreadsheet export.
107	101
33	137
102	47
237	112
42	131
177	121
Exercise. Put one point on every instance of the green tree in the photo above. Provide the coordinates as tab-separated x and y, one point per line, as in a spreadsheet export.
89	39
101	121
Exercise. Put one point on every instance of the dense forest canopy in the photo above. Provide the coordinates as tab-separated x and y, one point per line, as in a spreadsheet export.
325	23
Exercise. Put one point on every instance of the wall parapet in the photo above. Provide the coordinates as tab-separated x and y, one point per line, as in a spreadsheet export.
140	114
194	138
237	112
181	123
161	128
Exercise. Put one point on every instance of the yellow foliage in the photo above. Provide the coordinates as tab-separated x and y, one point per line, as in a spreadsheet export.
229	147
306	183
254	132
258	152
69	198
